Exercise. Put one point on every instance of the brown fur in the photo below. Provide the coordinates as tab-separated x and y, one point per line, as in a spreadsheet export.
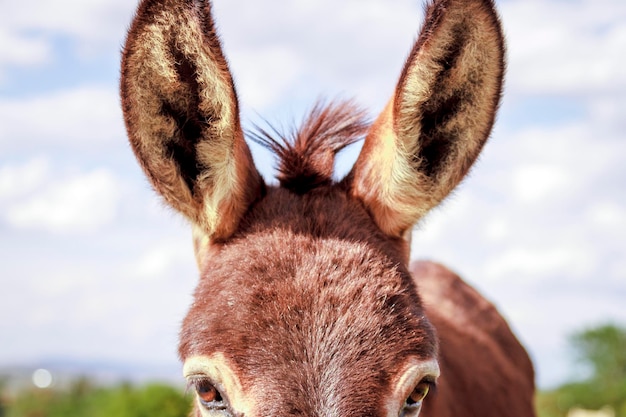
306	305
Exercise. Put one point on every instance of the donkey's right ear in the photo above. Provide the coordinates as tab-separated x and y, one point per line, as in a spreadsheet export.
439	118
182	115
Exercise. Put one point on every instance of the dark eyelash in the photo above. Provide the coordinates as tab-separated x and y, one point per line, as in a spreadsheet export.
195	382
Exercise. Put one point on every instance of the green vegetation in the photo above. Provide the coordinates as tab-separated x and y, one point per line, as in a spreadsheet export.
602	351
83	399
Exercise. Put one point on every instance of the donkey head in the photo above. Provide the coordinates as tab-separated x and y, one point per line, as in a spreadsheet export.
305	305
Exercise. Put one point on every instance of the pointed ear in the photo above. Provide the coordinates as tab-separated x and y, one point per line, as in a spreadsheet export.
435	125
182	115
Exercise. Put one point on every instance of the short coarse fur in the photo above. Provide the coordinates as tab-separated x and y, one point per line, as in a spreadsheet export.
306	303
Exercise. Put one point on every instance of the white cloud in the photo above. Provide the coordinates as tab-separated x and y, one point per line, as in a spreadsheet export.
357	49
361	46
91	310
497	229
609	112
86	21
608	215
563	167
82	117
433	227
536	183
617	272
18	180
22	50
538	263
80	204
272	71
557	48
546	320
160	260
30	30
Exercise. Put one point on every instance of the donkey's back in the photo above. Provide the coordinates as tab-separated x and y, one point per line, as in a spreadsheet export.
306	305
493	374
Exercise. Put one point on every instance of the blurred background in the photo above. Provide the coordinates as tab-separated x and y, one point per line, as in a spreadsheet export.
96	274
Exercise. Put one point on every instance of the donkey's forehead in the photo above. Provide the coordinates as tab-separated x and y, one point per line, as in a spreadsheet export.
304	289
303	275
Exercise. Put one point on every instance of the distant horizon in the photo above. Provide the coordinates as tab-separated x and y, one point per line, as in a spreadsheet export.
66	371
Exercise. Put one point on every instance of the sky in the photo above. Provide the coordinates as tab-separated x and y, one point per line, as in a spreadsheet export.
94	267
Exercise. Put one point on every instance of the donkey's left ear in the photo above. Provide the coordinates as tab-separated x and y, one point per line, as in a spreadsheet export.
439	118
182	115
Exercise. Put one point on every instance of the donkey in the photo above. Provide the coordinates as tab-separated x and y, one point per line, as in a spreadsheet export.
306	303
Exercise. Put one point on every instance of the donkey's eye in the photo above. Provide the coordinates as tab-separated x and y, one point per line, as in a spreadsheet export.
208	394
414	400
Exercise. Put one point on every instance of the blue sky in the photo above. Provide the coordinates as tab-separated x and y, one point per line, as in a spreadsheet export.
93	266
